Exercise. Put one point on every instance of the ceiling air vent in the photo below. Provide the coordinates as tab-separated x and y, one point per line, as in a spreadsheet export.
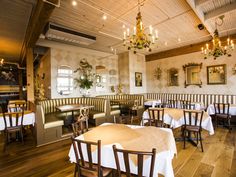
59	33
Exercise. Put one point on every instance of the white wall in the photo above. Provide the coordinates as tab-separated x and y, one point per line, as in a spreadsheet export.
154	85
137	64
62	54
129	63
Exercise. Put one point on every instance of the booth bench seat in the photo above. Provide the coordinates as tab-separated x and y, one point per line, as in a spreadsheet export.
114	108
50	120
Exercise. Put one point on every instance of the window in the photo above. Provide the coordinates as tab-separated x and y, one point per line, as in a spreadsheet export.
64	80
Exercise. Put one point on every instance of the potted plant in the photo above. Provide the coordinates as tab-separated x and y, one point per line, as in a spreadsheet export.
85	77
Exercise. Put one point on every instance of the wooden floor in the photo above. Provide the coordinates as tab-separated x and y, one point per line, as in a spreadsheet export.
219	158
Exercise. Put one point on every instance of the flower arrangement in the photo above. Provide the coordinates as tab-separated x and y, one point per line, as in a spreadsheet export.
86	77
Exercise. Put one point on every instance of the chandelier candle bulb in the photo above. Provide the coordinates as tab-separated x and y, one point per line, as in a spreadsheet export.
153	39
228	41
124	35
156	32
128	32
141	26
207	46
150	30
134	30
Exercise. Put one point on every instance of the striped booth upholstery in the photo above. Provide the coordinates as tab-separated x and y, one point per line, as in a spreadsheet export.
206	99
98	111
50	120
113	109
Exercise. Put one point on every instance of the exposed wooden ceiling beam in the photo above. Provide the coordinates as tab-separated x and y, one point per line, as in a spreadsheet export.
39	18
182	50
220	11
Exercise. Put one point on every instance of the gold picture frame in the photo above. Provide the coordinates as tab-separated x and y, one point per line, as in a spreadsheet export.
138	79
216	74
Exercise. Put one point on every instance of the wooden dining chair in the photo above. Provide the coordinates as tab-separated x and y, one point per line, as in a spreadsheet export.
185	104
192	124
79	127
222	113
140	156
172	104
87	167
13	124
83	118
133	113
17	107
156	117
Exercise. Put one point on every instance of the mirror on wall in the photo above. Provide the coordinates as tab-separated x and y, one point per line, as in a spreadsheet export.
192	74
173	77
64	80
101	78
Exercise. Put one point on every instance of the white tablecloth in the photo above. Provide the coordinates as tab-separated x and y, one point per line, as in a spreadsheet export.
152	103
211	109
206	123
29	119
163	159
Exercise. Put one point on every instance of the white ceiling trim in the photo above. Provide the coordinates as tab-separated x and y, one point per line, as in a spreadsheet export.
201	2
200	14
220	11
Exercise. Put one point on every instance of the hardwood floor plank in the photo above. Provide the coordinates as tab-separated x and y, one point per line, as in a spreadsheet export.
204	170
224	162
218	158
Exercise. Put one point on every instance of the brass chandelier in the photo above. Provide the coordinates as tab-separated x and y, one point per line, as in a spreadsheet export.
139	40
217	48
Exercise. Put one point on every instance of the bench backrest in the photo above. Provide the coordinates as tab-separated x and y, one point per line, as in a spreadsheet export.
207	99
138	97
49	106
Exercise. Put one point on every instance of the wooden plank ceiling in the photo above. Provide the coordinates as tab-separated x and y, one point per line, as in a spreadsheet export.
176	21
14	18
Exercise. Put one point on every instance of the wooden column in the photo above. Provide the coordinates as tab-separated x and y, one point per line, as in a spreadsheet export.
20	76
30	74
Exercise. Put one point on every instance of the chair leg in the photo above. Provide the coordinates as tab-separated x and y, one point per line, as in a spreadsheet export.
87	124
76	170
22	136
200	136
197	138
184	133
229	125
114	119
6	142
131	120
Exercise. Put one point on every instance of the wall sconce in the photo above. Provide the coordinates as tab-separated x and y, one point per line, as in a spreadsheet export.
234	69
157	73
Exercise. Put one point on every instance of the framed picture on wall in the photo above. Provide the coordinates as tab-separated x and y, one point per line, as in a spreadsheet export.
138	79
216	74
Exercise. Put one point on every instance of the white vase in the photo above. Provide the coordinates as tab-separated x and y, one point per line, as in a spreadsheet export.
85	92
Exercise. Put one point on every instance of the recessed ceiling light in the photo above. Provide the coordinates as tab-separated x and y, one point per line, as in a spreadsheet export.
104	17
74	3
123	26
166	43
179	40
